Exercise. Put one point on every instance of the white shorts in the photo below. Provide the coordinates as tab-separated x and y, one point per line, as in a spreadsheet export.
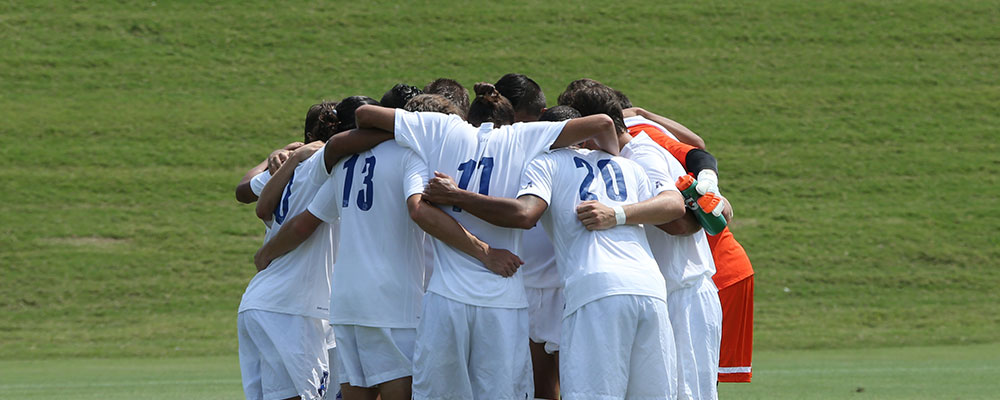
618	347
545	309
470	352
696	316
369	356
333	391
282	355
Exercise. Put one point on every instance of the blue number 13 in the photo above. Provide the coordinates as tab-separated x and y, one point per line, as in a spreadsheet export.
366	194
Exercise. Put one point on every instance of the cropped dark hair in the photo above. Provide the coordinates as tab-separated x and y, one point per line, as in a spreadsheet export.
432	103
490	106
559	113
599	100
451	90
623	100
566	97
321	121
399	95
345	111
524	94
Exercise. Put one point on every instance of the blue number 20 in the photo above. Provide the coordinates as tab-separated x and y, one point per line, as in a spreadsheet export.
467	168
366	194
611	178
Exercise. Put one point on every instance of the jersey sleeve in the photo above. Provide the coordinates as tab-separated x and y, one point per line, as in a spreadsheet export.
659	174
537	137
315	166
645	186
258	182
325	204
422	131
537	179
415	174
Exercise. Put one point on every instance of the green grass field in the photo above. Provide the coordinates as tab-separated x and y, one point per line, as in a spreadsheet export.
857	140
951	372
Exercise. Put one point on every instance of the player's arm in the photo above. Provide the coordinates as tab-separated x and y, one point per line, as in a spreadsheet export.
291	235
376	117
270	196
662	208
682	133
443	227
522	212
350	142
244	191
598	127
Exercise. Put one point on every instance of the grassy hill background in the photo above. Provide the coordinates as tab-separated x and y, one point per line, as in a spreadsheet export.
858	142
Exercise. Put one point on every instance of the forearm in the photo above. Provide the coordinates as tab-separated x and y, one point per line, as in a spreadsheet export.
442	226
244	193
683	134
683	226
270	196
350	142
662	208
499	211
291	235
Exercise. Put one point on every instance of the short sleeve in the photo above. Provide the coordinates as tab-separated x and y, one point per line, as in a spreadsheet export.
422	131
258	182
315	166
325	203
415	174
657	166
537	179
537	137
645	187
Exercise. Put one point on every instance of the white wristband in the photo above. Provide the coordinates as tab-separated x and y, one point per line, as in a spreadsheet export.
619	215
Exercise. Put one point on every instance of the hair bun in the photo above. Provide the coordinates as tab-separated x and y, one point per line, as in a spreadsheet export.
487	90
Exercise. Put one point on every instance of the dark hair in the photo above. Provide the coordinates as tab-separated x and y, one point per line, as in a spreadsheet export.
567	95
345	111
490	106
432	103
524	94
559	113
451	90
399	95
599	100
321	120
623	100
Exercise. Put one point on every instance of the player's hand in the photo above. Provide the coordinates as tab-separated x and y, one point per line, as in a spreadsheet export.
502	262
708	182
260	261
293	146
306	151
441	189
595	216
712	203
277	158
631	112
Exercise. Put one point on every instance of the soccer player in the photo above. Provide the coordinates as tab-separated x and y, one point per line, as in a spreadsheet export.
524	94
683	255
734	273
616	337
399	95
472	337
281	324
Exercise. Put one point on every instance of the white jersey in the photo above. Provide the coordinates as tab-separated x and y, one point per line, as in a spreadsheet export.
539	258
485	160
298	282
594	264
682	259
378	280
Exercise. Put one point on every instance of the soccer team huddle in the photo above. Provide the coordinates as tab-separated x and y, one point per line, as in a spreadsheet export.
424	246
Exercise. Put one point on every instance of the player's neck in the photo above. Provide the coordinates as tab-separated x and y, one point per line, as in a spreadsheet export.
623	139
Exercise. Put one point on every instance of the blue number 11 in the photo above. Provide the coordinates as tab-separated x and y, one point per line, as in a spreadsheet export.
467	168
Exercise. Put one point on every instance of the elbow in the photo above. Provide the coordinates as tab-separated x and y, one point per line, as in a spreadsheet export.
699	143
262	213
364	116
606	125
523	220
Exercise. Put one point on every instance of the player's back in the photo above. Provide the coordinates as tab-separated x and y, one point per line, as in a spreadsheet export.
488	161
297	282
378	278
594	264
